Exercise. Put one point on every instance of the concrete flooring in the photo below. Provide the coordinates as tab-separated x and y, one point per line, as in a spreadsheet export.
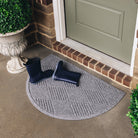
19	119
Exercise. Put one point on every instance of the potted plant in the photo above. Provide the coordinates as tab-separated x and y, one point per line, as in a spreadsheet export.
15	16
133	113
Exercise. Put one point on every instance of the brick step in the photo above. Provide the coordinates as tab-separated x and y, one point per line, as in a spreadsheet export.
93	64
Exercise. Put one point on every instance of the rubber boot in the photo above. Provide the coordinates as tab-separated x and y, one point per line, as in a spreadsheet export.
62	74
33	67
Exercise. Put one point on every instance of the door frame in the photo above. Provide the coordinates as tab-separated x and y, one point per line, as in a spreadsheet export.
60	28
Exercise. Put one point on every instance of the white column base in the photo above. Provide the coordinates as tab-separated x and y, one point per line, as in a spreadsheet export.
15	65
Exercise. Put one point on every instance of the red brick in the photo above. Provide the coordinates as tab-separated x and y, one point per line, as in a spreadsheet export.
86	60
44	39
120	76
80	58
69	53
65	49
105	70
47	2
53	40
75	55
46	20
46	9
93	63
55	45
99	67
40	1
127	81
60	47
112	73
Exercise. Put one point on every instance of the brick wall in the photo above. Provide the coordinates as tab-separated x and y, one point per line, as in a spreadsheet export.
31	31
41	29
44	18
45	2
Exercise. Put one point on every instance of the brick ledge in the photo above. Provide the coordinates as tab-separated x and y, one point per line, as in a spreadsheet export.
100	68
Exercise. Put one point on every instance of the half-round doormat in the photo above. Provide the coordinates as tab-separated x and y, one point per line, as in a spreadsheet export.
66	101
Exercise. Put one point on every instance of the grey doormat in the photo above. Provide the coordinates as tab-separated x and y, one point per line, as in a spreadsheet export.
66	101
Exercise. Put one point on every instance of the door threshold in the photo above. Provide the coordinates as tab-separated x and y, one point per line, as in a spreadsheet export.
99	56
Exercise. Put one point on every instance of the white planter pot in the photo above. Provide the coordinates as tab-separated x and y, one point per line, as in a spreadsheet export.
13	44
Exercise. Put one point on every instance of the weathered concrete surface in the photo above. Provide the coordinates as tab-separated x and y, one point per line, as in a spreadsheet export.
19	119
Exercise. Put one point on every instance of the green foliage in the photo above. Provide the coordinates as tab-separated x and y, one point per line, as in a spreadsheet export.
14	15
133	114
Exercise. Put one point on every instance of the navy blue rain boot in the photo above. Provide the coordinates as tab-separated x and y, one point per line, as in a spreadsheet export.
33	67
62	74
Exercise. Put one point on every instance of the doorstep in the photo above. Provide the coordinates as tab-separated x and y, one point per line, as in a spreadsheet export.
93	64
122	80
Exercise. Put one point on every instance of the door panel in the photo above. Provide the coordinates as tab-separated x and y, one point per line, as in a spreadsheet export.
96	23
106	25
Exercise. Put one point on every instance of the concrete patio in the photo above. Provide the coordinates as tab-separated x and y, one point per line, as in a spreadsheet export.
19	119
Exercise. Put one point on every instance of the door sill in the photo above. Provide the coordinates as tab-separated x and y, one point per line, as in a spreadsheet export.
99	56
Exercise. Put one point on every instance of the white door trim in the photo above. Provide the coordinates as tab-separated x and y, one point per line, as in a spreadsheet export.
59	17
135	43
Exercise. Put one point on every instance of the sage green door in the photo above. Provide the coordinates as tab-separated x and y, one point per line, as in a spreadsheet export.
105	25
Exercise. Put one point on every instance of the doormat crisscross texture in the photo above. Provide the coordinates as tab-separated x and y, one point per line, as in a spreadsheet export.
63	100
